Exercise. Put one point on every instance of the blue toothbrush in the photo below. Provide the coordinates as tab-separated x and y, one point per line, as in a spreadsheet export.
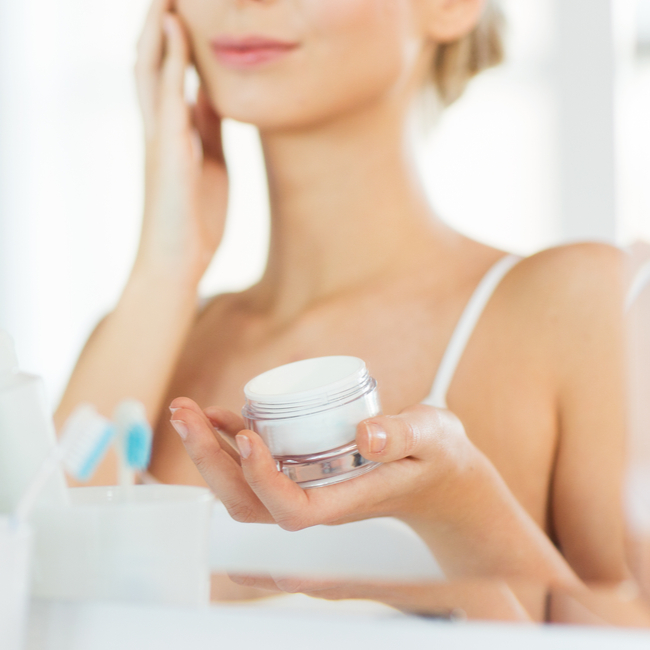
134	440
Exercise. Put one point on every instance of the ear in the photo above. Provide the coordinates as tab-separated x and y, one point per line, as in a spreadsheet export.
450	20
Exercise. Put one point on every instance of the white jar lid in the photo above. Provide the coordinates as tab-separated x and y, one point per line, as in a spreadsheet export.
307	379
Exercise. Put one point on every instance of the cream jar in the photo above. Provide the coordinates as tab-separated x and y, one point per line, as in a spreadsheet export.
307	413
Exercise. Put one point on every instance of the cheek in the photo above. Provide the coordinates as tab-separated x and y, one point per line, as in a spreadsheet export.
364	27
332	15
192	11
360	46
202	18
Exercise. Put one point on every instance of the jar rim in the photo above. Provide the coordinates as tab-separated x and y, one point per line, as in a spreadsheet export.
319	380
260	411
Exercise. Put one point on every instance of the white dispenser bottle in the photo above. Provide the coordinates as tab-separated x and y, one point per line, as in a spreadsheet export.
26	433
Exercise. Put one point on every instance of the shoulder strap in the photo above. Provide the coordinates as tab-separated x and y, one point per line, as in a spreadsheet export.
641	281
465	328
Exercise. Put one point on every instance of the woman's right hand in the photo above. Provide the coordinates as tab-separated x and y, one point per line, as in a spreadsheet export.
186	192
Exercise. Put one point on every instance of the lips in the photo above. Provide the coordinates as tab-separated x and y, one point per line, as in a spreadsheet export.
250	51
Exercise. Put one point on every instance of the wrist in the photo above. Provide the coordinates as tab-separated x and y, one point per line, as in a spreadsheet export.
167	271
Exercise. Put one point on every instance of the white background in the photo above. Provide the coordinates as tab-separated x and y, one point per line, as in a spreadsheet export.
533	155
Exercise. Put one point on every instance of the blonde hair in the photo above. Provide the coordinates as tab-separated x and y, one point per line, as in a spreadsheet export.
456	63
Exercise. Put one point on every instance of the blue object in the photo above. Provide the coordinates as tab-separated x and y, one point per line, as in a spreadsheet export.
137	445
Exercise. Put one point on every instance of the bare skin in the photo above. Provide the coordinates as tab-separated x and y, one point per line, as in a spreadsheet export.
492	600
638	487
360	265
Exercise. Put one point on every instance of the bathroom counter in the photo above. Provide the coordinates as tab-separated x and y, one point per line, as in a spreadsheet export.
66	626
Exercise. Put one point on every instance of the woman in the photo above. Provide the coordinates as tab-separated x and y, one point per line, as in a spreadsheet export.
360	265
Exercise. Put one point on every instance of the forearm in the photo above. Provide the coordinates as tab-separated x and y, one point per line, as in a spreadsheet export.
487	534
133	352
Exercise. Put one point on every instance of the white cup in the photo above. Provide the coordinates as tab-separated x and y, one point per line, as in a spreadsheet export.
15	551
145	544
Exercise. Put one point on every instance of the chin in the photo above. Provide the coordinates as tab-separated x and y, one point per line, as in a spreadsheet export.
266	116
269	111
282	107
263	105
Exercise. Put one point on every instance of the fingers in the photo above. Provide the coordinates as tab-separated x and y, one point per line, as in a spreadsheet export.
176	60
226	422
259	492
177	53
420	432
257	581
220	471
150	44
289	505
286	501
187	403
310	586
317	588
294	508
163	57
150	53
283	584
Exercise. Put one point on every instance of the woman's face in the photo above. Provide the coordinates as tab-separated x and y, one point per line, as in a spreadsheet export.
294	63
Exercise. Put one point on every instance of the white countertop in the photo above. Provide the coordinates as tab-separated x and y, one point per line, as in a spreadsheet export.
94	626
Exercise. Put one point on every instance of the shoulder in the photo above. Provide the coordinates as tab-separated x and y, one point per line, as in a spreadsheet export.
575	261
567	303
572	278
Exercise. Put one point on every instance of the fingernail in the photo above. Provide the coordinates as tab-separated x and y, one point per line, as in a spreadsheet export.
244	446
173	410
377	438
181	428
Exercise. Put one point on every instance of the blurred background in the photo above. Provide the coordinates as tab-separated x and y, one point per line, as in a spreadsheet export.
555	146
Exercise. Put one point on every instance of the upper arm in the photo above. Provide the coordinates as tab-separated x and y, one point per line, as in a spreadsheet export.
586	491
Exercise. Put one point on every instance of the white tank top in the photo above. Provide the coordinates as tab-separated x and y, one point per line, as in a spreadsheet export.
639	284
465	328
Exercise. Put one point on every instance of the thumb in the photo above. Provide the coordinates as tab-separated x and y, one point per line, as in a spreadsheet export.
421	432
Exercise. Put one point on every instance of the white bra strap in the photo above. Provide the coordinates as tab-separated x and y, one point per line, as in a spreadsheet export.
465	328
641	281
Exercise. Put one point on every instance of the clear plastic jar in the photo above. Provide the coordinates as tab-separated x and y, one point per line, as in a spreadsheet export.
307	413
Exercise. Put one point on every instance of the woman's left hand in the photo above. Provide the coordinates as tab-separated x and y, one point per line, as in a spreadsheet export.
431	477
423	451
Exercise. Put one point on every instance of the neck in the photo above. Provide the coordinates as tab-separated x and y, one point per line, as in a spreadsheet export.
347	208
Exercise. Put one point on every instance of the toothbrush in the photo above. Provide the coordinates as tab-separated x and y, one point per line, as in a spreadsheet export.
85	438
134	440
